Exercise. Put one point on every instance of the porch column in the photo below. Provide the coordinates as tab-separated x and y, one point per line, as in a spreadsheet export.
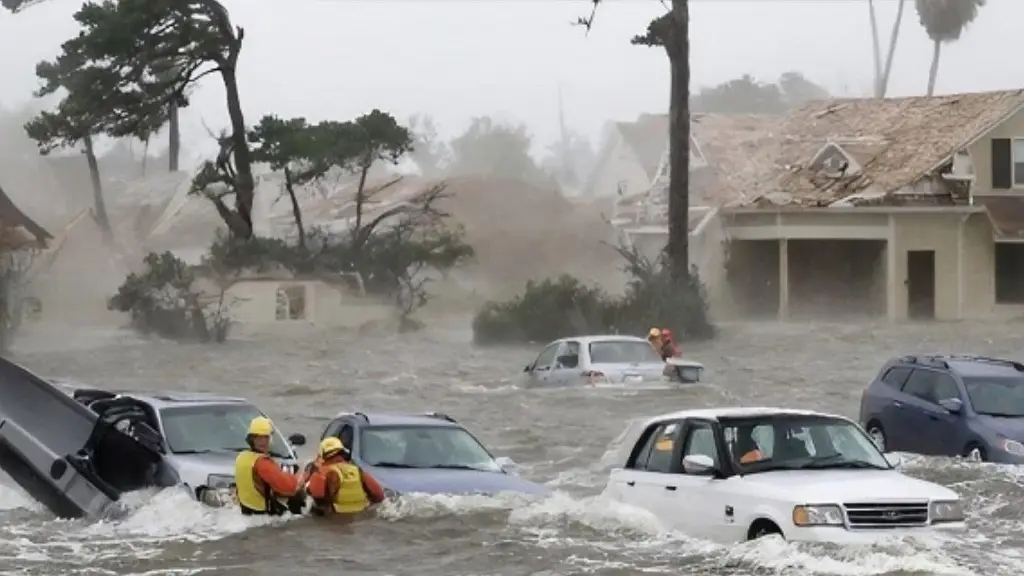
892	283
783	279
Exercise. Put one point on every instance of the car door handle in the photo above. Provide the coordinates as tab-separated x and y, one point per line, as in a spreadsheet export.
631	483
933	417
897	404
672	488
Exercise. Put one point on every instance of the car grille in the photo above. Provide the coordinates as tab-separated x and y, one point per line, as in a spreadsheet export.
886	515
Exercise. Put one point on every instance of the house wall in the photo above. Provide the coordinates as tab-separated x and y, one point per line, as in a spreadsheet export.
981	154
621	166
255	302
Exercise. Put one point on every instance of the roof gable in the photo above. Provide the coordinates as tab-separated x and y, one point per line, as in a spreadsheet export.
647	138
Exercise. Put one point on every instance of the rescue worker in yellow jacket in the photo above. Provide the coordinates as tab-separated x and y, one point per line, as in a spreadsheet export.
338	486
262	487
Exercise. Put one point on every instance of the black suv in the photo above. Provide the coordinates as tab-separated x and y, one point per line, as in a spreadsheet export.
948	405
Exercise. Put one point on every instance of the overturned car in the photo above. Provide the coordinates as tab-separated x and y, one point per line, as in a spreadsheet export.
77	449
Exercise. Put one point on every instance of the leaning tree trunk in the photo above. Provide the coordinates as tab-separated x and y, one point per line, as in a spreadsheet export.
99	206
678	47
934	72
173	137
245	183
884	87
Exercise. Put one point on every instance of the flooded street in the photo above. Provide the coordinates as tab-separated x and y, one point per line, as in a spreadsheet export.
303	378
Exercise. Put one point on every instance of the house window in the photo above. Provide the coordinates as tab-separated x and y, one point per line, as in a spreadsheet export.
1018	162
1009	273
291	302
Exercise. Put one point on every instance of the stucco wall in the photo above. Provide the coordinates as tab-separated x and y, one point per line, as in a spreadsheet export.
981	151
255	302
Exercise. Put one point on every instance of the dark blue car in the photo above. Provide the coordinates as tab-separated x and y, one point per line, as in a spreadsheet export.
425	453
948	406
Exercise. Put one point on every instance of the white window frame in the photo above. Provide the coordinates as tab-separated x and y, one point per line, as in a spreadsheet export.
1014	185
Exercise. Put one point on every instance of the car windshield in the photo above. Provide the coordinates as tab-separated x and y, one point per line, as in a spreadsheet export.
1001	396
214	428
799	443
424	447
622	352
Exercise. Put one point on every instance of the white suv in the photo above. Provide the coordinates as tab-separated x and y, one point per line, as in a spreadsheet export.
735	474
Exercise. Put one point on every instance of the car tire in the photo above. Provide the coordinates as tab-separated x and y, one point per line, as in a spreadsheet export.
762	528
975	453
877	434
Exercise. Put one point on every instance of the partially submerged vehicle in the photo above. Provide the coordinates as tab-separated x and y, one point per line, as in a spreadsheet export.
199	435
425	453
735	474
75	461
607	362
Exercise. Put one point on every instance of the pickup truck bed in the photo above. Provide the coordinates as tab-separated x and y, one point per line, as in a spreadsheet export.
71	459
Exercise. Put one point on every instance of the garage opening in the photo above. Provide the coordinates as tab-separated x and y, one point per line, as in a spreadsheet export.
1009	273
753	277
837	278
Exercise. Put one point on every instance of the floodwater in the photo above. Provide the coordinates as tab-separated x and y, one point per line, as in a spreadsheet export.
558	437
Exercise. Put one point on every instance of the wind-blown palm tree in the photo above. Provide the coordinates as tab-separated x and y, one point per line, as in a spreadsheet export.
945	21
882	74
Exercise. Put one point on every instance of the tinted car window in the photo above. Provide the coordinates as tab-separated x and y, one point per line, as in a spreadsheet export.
896	377
931	386
660	447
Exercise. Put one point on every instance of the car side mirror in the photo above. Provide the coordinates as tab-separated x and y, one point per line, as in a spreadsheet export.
297	439
698	464
894	460
508	466
952	405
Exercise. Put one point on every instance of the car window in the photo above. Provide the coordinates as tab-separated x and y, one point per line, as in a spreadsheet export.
346	435
622	352
997	396
546	357
423	447
701	440
931	386
657	453
795	442
569	355
896	376
214	427
332	429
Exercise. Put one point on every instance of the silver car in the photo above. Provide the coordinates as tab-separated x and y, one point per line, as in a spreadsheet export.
200	436
596	361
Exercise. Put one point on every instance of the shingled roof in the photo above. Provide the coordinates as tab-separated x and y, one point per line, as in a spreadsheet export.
13	221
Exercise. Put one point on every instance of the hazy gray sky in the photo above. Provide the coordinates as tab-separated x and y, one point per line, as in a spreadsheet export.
456	59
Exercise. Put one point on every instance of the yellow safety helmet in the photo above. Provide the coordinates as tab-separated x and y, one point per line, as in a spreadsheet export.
330	446
261	426
654	333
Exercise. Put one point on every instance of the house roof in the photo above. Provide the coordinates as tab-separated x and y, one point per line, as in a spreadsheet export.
1006	214
740	150
12	218
648	138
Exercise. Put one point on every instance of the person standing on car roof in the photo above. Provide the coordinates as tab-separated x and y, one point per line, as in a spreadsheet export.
338	486
262	486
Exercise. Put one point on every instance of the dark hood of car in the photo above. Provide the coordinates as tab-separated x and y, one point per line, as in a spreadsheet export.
447	481
1012	428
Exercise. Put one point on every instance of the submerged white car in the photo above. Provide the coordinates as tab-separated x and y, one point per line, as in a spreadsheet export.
599	361
736	474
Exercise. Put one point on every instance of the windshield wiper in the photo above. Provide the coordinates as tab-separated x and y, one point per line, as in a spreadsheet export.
825	463
206	451
393	465
458	467
1001	415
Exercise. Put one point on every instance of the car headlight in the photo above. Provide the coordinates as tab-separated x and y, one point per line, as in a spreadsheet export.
817	515
1012	446
219	481
219	491
389	493
947	511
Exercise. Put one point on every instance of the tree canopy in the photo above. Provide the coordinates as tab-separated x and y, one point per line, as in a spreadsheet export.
497	149
746	95
130	62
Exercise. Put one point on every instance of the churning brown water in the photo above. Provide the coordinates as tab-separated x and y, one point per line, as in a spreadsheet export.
559	437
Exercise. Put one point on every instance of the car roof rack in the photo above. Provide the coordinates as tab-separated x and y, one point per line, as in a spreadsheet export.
942	360
441	416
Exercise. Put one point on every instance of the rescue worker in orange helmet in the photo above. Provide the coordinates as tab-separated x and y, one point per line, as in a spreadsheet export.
654	337
261	486
338	486
668	345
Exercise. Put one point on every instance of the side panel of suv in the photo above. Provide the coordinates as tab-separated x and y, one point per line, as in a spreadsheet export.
902	410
